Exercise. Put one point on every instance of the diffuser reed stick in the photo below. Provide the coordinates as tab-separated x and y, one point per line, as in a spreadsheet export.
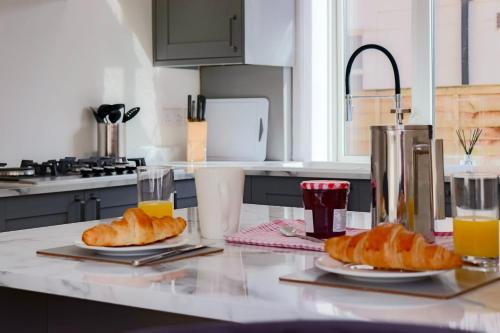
469	144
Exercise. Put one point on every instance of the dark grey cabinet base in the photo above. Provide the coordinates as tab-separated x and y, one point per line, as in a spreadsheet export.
285	191
41	210
25	311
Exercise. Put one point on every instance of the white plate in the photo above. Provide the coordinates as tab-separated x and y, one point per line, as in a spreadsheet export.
135	250
367	273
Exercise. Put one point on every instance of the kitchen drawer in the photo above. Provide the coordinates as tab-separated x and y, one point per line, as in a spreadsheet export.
286	191
186	203
185	189
113	201
35	222
117	211
42	204
278	191
360	195
115	196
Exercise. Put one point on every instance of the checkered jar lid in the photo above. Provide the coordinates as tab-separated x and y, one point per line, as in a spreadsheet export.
325	185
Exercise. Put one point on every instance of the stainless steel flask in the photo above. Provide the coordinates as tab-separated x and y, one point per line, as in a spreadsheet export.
407	177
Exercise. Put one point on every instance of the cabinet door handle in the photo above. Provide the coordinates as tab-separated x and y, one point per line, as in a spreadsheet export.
97	206
261	129
231	44
82	208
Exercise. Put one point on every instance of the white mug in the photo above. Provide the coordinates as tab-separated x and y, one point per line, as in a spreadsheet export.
219	192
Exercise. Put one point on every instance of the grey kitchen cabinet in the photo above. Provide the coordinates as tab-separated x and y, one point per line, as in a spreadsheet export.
277	191
190	33
185	195
41	210
286	191
109	202
198	29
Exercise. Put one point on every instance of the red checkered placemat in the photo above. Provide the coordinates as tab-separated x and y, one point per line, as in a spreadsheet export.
268	234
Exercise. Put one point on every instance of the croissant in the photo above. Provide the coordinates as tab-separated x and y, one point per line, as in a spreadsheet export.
135	228
391	246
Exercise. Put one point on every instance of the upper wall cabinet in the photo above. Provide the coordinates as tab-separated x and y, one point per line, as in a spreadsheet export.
217	32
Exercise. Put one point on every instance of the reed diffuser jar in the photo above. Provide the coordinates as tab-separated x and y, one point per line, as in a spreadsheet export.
468	146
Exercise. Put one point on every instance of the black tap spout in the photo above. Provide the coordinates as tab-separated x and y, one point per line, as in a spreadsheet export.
384	51
397	90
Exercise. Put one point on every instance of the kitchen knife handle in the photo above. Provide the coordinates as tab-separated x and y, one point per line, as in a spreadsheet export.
261	129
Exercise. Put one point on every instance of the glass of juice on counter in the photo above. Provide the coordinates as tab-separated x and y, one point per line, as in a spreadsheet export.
474	205
155	190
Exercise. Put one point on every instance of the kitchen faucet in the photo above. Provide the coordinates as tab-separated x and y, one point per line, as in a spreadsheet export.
397	91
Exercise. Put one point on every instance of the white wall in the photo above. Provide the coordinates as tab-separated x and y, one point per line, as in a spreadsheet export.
58	57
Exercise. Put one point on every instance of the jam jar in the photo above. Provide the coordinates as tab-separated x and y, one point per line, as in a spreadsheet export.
325	207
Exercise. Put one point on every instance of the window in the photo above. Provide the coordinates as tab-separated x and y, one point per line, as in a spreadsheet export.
387	23
447	53
467	74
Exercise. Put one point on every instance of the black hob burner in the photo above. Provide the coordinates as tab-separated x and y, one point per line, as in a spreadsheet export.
86	167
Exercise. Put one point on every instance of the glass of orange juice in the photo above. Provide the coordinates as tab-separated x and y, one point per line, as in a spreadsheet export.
155	190
474	205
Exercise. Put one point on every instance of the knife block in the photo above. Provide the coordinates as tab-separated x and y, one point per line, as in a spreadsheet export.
196	145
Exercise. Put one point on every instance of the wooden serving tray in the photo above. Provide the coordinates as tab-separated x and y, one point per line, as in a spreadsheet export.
76	253
442	286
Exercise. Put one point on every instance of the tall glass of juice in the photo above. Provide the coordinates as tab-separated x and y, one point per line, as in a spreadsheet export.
155	190
474	205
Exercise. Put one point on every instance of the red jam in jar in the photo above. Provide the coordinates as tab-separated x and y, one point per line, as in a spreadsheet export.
325	207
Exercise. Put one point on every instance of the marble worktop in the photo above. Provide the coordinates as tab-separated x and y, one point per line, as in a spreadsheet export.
241	284
184	170
41	185
291	168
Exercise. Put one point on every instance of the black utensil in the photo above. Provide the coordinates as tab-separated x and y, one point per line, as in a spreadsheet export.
198	108
193	110
103	111
96	116
119	107
114	115
203	107
130	114
189	108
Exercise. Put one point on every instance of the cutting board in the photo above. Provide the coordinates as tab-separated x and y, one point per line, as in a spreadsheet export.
443	286
237	129
73	252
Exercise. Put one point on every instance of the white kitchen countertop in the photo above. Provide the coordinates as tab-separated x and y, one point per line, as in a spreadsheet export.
185	170
292	168
241	284
71	183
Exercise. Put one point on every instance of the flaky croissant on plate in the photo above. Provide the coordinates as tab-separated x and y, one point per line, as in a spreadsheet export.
391	246
135	228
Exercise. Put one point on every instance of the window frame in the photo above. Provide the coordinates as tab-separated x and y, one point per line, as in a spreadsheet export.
423	82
